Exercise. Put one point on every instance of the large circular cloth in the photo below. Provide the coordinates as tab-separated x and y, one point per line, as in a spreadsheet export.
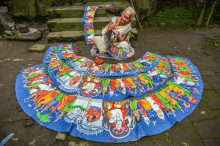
108	102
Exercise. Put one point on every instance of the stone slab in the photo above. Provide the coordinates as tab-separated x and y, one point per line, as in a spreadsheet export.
212	142
72	143
52	22
216	113
31	37
75	24
202	103
211	78
74	35
201	113
183	132
77	11
185	121
54	36
218	91
207	72
91	143
206	85
188	143
210	94
213	104
215	85
207	129
61	136
37	48
153	142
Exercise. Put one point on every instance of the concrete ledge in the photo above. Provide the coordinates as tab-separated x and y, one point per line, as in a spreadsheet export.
75	35
75	24
37	48
77	10
31	37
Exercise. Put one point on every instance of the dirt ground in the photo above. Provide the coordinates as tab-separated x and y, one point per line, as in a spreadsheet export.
196	129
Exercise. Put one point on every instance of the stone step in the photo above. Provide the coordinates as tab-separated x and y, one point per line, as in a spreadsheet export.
75	24
66	36
77	10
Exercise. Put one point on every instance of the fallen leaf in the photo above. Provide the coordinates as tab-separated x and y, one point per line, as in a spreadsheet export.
31	143
14	138
85	143
185	143
203	112
17	59
10	119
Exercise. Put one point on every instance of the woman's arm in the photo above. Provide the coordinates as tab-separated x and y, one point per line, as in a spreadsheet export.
122	38
112	25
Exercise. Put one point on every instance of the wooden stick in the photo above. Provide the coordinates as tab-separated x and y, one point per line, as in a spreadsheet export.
199	22
213	6
136	14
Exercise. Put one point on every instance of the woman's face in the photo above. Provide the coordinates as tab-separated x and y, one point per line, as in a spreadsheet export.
126	17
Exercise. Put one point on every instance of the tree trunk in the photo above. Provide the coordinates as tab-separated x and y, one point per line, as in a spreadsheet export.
199	22
210	15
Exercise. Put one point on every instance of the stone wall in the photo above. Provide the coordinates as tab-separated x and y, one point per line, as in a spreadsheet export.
33	8
145	8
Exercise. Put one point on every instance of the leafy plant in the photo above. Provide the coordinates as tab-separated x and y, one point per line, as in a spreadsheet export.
177	17
55	26
211	44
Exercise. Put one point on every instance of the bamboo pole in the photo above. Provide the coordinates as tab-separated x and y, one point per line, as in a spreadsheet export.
136	14
213	6
199	22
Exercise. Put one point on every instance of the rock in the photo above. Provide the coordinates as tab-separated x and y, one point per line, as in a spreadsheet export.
38	48
17	59
8	33
145	8
5	19
23	28
72	143
29	123
61	136
31	37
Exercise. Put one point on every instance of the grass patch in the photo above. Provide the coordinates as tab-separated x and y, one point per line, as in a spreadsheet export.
211	44
179	17
174	18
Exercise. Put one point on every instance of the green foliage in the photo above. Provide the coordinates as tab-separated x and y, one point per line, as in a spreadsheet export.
177	17
211	44
56	26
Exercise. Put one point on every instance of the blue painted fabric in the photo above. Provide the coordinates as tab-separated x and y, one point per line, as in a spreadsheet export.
87	21
95	108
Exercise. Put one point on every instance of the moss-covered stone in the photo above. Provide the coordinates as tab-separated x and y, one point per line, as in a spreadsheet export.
26	7
145	8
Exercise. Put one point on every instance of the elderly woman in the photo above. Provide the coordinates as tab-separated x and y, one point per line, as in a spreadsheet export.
120	28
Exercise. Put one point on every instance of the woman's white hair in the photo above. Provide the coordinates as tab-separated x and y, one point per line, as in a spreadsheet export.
132	12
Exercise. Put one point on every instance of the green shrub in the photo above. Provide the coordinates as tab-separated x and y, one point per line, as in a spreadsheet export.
177	17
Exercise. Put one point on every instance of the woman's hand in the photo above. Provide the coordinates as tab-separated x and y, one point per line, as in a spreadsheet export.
112	26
